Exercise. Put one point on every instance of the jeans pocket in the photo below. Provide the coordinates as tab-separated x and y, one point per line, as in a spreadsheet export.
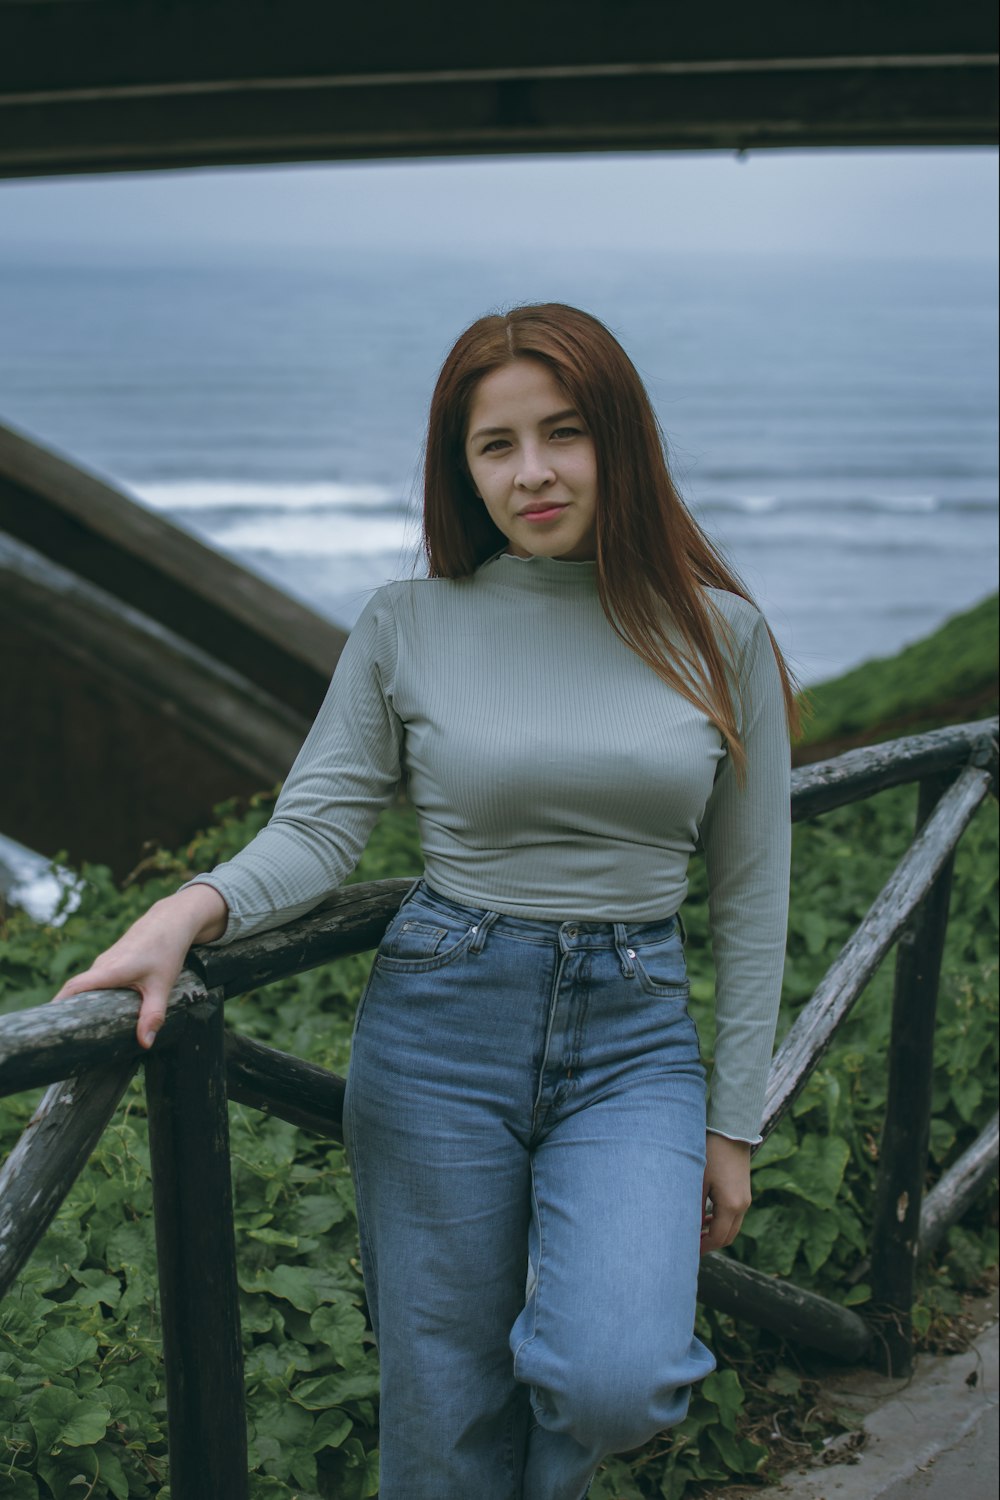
407	939
660	966
417	941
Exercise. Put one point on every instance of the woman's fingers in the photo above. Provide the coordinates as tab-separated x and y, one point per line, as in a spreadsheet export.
720	1227
725	1191
149	957
152	1014
152	990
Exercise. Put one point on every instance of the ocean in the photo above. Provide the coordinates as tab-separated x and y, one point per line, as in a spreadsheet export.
831	424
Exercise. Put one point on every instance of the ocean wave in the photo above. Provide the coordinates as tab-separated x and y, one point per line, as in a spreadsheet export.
315	536
246	495
873	504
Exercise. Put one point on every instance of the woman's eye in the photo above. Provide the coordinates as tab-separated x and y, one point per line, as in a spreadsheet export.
495	445
564	432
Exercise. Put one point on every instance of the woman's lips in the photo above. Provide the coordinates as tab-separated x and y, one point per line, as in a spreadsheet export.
548	514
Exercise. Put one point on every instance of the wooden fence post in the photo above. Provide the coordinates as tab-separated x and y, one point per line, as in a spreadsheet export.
903	1152
196	1256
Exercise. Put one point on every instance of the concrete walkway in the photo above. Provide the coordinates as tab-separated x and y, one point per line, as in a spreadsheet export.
932	1437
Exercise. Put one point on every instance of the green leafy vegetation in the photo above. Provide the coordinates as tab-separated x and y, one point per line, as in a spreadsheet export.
949	677
82	1407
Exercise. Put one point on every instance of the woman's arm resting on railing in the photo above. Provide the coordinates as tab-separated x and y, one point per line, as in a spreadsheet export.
150	955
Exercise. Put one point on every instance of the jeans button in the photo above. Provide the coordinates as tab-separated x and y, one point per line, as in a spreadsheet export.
572	931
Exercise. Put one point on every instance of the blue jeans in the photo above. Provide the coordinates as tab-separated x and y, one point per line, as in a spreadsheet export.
525	1122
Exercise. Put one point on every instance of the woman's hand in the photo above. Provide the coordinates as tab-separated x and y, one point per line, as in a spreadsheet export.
151	954
726	1190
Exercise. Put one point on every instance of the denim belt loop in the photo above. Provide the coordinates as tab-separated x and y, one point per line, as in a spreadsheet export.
481	931
413	890
624	951
680	927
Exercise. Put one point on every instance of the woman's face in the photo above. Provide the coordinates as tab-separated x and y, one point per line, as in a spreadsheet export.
532	462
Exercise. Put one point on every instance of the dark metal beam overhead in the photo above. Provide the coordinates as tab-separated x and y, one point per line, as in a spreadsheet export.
130	85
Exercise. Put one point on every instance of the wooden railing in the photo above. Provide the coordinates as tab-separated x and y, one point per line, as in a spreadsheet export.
86	1050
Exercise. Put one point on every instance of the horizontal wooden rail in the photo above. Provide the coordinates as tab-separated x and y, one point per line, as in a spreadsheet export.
50	1042
285	1086
815	1027
351	921
857	774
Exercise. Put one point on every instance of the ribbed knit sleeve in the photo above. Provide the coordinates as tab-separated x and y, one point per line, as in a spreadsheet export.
746	838
347	770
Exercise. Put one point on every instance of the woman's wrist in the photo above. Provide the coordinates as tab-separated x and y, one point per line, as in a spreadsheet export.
199	910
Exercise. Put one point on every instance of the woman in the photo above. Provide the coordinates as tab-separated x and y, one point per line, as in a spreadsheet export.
580	693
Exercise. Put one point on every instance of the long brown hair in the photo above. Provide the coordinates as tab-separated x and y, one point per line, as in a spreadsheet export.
653	560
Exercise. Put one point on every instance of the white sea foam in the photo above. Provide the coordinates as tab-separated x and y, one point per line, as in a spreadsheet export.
756	504
315	536
216	494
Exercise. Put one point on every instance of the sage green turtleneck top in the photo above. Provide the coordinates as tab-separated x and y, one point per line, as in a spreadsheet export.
554	776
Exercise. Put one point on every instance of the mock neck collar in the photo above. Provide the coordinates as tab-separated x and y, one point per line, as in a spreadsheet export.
541	574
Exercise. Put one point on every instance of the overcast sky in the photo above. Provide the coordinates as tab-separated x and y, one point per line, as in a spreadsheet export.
930	203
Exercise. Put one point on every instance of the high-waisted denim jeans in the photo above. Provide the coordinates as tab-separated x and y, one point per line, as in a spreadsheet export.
525	1120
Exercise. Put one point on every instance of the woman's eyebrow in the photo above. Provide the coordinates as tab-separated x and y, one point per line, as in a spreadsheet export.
559	416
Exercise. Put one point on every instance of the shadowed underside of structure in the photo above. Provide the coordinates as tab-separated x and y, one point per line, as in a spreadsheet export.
120	85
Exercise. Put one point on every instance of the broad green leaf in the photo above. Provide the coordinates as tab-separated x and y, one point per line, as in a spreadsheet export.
64	1349
814	1173
111	1475
315	1213
356	1471
302	1467
96	1287
60	1417
295	1284
330	1429
723	1389
333	1390
822	1234
341	1327
281	1420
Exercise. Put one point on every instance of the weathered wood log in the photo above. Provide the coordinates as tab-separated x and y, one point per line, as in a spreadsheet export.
249	729
279	1084
790	1311
859	773
196	1260
905	1134
50	1154
49	1042
351	921
45	1044
815	1026
958	1189
100	533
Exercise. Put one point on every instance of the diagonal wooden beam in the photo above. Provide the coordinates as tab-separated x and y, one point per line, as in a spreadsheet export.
50	1155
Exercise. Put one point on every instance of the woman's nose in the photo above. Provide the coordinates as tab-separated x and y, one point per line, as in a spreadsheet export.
534	472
